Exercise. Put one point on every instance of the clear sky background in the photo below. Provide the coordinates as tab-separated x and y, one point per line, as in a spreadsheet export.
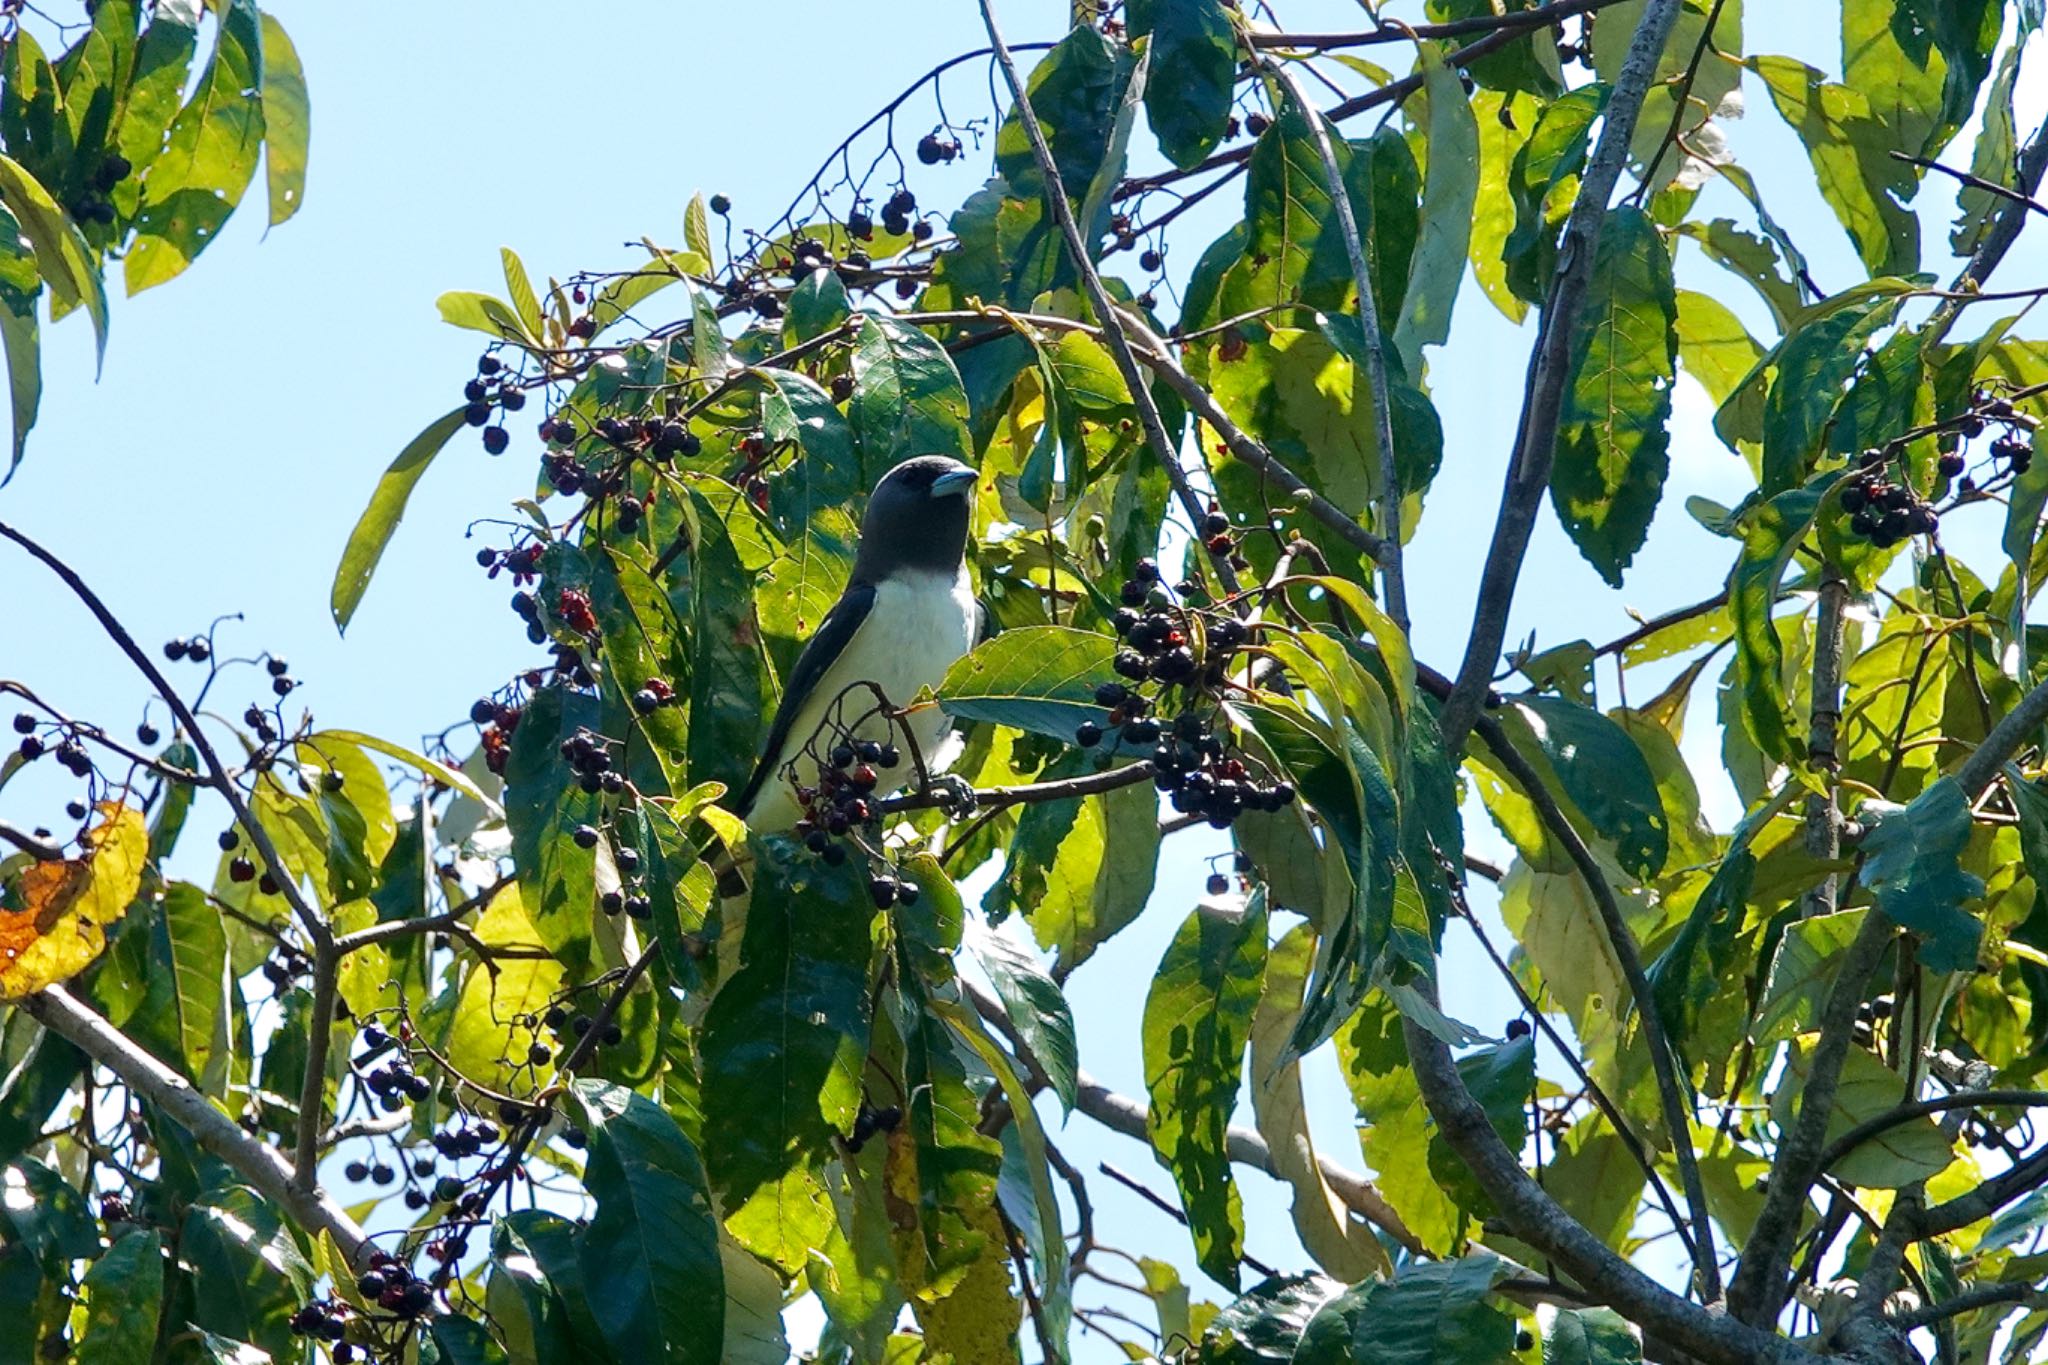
247	407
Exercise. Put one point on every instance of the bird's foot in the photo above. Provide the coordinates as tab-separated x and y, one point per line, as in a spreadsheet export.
955	794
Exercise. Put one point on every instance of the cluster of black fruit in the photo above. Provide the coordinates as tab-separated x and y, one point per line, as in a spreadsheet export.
240	868
93	205
256	719
70	753
843	798
568	1027
390	1284
1882	512
491	390
1190	758
1220	884
395	1082
198	649
870	1121
522	563
285	966
495	721
630	899
896	213
932	149
2015	451
327	1320
590	757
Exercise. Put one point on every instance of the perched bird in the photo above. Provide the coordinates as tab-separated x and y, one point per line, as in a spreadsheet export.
907	615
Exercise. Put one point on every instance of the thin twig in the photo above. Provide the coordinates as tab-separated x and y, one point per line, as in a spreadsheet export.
1393	585
1976	182
1515	21
1098	298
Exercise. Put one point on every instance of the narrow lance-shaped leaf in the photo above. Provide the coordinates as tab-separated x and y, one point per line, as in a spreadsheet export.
210	158
1613	443
1035	1005
652	1242
1197	1018
1450	190
1773	535
287	122
1194	53
381	517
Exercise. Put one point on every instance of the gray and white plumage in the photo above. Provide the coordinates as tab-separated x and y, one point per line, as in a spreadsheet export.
908	613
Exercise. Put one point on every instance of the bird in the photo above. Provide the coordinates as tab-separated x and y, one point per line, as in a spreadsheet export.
907	615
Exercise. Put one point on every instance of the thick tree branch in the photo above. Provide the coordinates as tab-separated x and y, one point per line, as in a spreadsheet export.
261	1165
1528	476
1537	1219
1671	1093
1937	1104
217	773
1122	1114
1393	586
1757	1291
42	850
1969	1301
1106	316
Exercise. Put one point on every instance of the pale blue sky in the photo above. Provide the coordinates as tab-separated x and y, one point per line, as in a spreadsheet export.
247	407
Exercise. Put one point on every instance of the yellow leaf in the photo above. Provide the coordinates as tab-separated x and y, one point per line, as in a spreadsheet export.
54	925
497	1015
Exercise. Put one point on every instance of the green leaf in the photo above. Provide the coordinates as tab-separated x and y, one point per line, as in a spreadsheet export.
1102	874
380	518
1543	182
1039	679
22	337
1431	1313
1801	971
1606	777
192	949
1264	1326
1527	64
1898	1156
163	57
287	123
459	1341
1912	865
445	774
209	159
493	1024
1449	193
1076	91
1995	158
1504	124
728	675
123	1295
1848	147
816	306
46	1214
907	398
478	312
519	289
1197	1017
247	1274
1767	547
1036	1007
1194	56
1713	345
795	407
543	807
1590	1336
221	1350
652	1242
1613	446
957	1165
1814	364
61	254
785	1038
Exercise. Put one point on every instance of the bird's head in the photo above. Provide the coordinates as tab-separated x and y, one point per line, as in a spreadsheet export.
917	518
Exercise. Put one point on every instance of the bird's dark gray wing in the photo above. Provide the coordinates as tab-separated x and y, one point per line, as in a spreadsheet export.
834	633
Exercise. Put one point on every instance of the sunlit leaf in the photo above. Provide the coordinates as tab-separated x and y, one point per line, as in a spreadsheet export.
54	921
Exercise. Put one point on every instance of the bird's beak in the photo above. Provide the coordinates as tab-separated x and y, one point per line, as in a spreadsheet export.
953	481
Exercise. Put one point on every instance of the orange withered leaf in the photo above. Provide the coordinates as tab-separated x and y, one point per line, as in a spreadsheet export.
54	924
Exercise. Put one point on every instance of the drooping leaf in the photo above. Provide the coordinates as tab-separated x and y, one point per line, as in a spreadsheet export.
653	1241
54	921
543	808
380	518
907	398
1197	1017
1035	1005
1449	193
1911	863
209	157
1768	545
123	1293
1612	445
1606	776
286	122
248	1276
1194	64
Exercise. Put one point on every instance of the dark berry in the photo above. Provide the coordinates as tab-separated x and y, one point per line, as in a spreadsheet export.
241	870
174	650
1149	261
882	890
496	439
477	414
1518	1028
720	205
1088	734
585	836
645	701
356	1172
24	724
1218	883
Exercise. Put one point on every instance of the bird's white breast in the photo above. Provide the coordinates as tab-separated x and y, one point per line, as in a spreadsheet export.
920	624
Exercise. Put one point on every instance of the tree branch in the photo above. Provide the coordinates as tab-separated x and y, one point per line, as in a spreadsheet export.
1122	1114
1515	22
1392	580
1528	476
1663	1058
1098	298
1969	1301
261	1165
42	850
309	918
